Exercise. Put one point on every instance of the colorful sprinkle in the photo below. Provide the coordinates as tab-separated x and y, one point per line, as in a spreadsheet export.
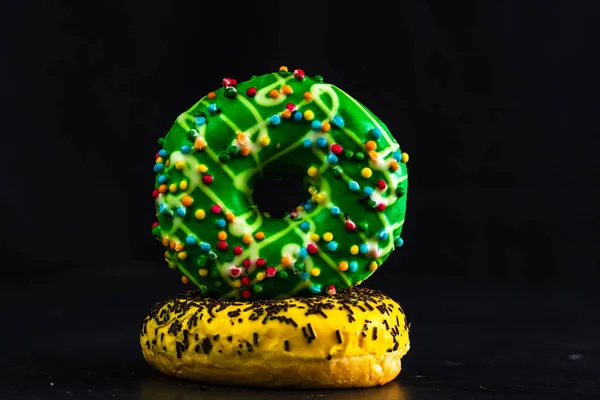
325	126
216	209
315	237
383	234
394	166
181	211
207	179
259	235
304	276
200	120
335	210
260	276
373	266
257	288
337	121
299	74
366	172
307	143
376	133
186	200
211	95
222	235
159	167
205	246
246	294
275	120
363	248
236	283
399	242
246	281
247	238
350	226
212	108
291	107
316	289
404	158
182	255
328	237
203	272
312	172
200	214
368	190
270	271
332	246
371	145
185	149
353	186
343	265
312	248
332	158
184	279
304	226
308	115
321	142
315	272
381	185
287	90
297	116
222	245
380	207
162	153
274	94
190	240
302	253
264	140
260	262
315	125
331	290
353	266
286	261
251	92
234	271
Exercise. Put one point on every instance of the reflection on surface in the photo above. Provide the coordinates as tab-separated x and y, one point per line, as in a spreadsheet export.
163	388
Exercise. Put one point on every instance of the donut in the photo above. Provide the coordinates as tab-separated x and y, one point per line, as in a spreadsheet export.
210	160
355	338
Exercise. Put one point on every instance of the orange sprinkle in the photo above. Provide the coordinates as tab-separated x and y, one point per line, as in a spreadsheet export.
244	151
162	189
286	261
229	216
178	247
199	144
167	163
184	279
187	200
211	95
241	137
287	90
373	155
259	235
247	238
222	235
274	94
283	68
165	241
394	165
325	126
308	96
371	145
172	245
286	114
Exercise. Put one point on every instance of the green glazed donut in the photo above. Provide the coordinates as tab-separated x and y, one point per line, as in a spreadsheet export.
211	159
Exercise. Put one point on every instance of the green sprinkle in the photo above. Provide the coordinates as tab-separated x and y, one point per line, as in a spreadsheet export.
230	92
283	274
156	231
258	288
400	192
192	134
161	141
204	290
318	78
284	73
337	172
214	273
202	259
360	156
371	203
212	255
233	151
363	226
229	257
299	265
218	284
223	157
348	153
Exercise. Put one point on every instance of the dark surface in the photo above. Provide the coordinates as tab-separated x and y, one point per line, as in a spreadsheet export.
469	341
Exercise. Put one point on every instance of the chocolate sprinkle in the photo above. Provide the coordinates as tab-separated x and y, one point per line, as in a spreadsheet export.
287	345
338	335
255	339
375	333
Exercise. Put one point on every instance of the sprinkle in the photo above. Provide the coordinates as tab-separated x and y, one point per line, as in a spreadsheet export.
180	165
368	190
320	198
331	291
353	266
257	287
236	283
184	280
162	189
199	144
336	149
286	261
205	246
287	90
251	92
234	271
396	155
264	140
275	120
332	246
173	187
363	248
187	200
245	280
380	207
373	266
222	235
222	245
162	179
179	247
316	289
321	142
228	82
394	166
353	186
376	133
203	272
399	242
297	116
308	115
246	294
163	153
337	121
312	248
314	237
373	155
270	271
229	216
404	158
200	120
307	143
212	109
325	126
371	145
299	266
260	276
381	185
259	235
207	179
237	250
299	74
211	95
274	94
315	125
181	211
359	156
338	335
382	234
332	158
286	345
190	240
302	253
247	263
244	151
283	274
200	214
260	262
286	114
305	226
350	226
337	172
216	209
185	149
315	272
183	185
335	210
247	238
182	255
343	265
366	173
328	237
312	172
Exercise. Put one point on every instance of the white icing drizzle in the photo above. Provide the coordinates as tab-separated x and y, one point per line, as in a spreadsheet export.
262	95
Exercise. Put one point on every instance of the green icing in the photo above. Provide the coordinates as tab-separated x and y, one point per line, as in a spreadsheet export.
275	140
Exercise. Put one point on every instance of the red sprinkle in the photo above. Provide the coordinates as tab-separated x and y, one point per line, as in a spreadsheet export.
299	74
154	225
336	148
246	294
260	262
155	193
331	290
381	184
251	92
235	272
380	207
228	82
216	209
207	179
222	245
156	155
246	263
350	226
245	280
291	107
271	271
237	250
312	248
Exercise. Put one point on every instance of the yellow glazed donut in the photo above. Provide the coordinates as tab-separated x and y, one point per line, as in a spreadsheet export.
355	338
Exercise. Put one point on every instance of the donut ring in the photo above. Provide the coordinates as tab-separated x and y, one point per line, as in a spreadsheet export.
216	151
355	338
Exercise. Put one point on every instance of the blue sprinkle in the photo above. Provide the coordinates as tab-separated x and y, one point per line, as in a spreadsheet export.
332	158
204	246
315	289
383	235
304	226
190	240
352	266
335	210
275	119
297	116
163	153
315	125
338	121
162	207
185	149
353	185
363	248
200	121
212	108
399	242
308	206
159	167
397	156
321	142
332	246
303	253
307	143
376	133
221	223
181	211
304	276
368	190
162	179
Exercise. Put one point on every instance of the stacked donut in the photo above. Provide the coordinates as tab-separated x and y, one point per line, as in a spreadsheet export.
277	301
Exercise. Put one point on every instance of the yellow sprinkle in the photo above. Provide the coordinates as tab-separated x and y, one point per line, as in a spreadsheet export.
308	96
229	216
203	272
309	115
159	160
312	172
266	214
312	190
286	261
167	255
299	208
343	266
394	166
165	241
366	172
259	235
320	198
265	140
373	266
404	158
247	238
314	198
286	114
354	249
201	168
211	95
199	144
274	94
182	255
200	214
184	279
187	201
222	235
162	189
283	68
287	90
179	247
314	237
172	264
173	188
183	185
315	272
325	126
328	237
180	165
236	284
260	276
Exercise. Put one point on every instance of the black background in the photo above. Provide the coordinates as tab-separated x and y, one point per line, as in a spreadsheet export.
496	103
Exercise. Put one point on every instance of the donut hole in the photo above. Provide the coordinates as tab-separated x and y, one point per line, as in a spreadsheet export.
278	194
